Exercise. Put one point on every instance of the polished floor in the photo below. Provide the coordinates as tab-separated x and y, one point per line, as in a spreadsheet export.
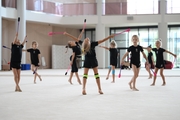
55	99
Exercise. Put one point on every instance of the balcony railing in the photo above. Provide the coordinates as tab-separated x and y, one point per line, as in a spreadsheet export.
109	8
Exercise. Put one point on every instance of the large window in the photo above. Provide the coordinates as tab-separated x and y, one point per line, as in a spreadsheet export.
173	44
147	36
173	6
142	7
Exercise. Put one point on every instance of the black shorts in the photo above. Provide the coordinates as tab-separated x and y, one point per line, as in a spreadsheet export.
159	66
113	62
35	64
90	63
74	65
136	64
16	65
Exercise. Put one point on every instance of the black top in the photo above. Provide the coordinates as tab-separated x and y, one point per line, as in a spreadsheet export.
159	55
92	52
16	53
77	49
34	55
150	54
113	54
135	53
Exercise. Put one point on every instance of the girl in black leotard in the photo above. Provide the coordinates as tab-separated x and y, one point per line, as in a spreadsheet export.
113	59
150	60
160	61
135	50
76	53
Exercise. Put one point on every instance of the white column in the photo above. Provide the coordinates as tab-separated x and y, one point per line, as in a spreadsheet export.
100	34
21	12
163	26
0	38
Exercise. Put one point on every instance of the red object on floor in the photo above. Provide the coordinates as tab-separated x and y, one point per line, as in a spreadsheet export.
168	65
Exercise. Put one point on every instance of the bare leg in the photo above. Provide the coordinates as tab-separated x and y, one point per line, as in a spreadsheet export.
78	79
154	80
15	78
18	73
148	70
162	76
136	73
85	80
113	74
108	73
70	78
33	69
98	80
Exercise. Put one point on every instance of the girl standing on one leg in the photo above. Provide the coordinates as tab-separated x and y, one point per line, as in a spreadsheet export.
150	60
16	55
76	53
35	59
160	61
135	50
113	59
91	61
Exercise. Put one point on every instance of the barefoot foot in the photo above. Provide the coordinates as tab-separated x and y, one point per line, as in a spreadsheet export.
164	84
135	89
130	85
100	92
152	84
84	92
70	82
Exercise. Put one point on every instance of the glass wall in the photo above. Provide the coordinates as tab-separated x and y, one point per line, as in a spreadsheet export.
174	44
173	6
148	36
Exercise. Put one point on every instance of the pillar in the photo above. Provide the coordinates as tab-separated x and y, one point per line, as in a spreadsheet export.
163	26
21	12
100	34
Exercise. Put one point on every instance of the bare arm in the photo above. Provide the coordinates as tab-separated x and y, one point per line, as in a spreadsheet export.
171	53
71	36
103	40
104	47
144	55
39	56
80	36
125	55
15	39
24	40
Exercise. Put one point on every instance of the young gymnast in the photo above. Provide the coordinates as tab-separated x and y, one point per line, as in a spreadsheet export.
135	50
150	60
90	61
35	59
160	61
76	53
113	59
16	55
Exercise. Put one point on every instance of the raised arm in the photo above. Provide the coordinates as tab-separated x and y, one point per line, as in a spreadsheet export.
24	40
103	40
16	38
171	53
71	36
104	47
80	36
